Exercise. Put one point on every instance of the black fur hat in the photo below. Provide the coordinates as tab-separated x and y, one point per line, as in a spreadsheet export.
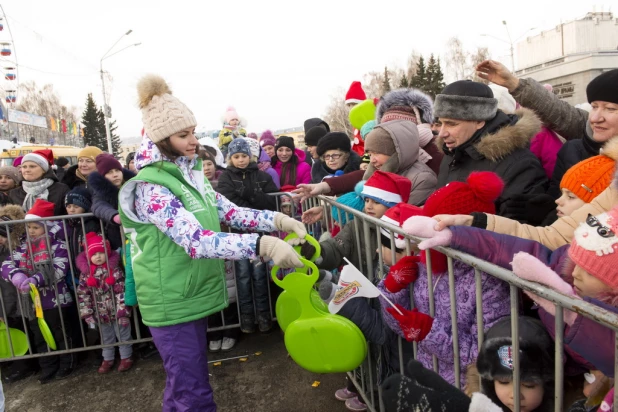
536	358
406	98
466	100
334	141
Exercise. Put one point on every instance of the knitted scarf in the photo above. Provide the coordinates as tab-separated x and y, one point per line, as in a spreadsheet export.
35	190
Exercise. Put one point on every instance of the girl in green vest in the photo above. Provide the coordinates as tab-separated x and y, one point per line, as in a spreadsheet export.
171	215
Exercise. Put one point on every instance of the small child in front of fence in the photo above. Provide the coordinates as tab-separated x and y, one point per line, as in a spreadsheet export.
586	269
101	300
105	184
423	389
478	193
247	186
43	261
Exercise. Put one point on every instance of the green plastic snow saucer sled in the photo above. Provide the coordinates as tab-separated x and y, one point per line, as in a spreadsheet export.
287	307
45	331
18	340
318	341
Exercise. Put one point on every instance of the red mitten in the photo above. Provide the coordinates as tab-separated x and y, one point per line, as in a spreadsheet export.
402	274
414	324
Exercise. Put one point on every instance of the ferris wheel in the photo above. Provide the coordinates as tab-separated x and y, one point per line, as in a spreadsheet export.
9	72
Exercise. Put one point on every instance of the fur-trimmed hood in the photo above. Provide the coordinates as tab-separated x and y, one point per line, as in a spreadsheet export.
498	143
84	266
15	212
104	188
613	145
406	97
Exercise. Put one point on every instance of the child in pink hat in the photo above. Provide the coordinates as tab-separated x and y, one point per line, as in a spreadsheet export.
233	127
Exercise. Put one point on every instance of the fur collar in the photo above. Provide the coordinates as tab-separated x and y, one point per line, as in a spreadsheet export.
15	212
501	143
104	188
84	266
610	148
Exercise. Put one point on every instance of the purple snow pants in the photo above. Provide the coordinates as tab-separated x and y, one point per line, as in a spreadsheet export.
183	348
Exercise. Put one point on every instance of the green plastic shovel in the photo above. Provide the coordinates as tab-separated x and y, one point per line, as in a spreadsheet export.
45	331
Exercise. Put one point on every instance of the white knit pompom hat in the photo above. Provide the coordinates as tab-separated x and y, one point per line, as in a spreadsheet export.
162	114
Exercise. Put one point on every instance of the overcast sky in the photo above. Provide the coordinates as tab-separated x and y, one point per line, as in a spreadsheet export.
277	62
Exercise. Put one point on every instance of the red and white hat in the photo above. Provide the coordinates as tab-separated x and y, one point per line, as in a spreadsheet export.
387	188
396	215
40	209
43	158
355	93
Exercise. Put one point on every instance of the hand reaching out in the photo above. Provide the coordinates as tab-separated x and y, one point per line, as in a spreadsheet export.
313	215
497	73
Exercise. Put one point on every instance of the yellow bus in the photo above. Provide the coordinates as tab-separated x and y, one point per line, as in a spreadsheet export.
10	154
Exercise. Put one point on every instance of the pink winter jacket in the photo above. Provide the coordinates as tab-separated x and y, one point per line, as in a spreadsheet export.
545	145
303	170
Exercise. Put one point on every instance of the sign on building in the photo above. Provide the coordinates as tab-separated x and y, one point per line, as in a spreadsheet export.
15	116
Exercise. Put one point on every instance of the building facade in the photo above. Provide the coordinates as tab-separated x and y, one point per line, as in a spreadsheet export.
572	54
297	133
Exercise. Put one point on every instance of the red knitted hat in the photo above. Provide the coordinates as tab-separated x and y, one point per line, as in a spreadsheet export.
396	215
477	194
595	247
387	188
40	209
94	244
355	94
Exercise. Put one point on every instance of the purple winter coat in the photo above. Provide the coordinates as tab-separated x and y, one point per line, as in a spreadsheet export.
439	341
264	166
47	272
499	249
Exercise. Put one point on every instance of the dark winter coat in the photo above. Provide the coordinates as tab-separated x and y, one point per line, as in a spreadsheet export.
564	119
369	317
105	204
60	172
319	170
501	146
248	187
571	153
499	250
57	192
71	179
344	245
75	239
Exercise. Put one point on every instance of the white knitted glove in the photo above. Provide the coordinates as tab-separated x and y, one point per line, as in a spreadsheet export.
281	253
285	223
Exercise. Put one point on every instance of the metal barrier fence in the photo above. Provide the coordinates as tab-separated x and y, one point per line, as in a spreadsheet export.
366	377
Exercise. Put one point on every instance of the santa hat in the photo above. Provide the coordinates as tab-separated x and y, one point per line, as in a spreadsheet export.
94	244
41	209
397	215
477	194
43	158
595	247
230	114
355	93
387	188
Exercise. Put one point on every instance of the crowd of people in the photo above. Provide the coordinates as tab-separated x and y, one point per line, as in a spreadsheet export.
507	172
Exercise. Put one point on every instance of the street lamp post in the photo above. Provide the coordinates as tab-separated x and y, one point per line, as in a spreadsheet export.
106	109
509	42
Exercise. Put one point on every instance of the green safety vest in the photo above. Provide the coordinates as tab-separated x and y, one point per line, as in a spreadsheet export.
172	287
